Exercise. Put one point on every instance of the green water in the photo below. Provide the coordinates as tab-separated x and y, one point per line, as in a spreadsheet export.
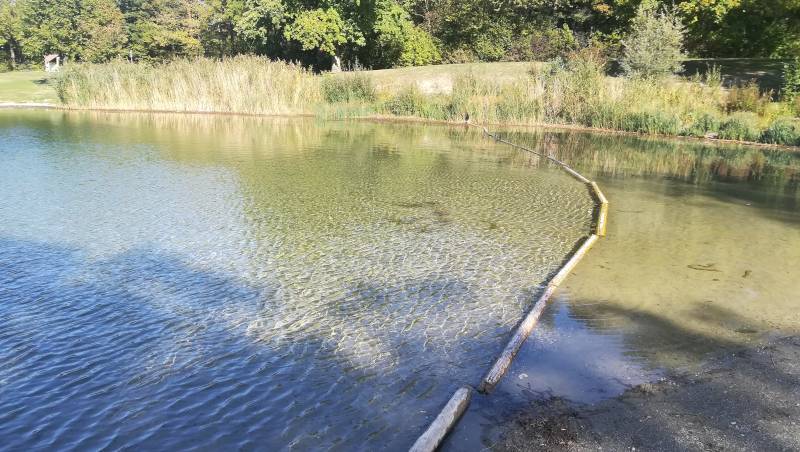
702	257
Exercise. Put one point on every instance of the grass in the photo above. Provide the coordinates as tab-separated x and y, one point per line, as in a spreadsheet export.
244	84
26	87
439	79
576	91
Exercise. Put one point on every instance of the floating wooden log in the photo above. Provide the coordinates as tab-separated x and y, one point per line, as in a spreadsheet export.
444	422
529	322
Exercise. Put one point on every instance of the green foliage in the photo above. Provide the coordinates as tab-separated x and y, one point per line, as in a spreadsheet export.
50	26
654	46
160	30
102	28
10	31
350	87
741	126
408	102
791	79
418	49
703	125
401	43
748	97
784	131
545	44
321	29
390	33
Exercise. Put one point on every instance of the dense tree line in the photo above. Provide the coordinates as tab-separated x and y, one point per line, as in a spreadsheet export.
376	33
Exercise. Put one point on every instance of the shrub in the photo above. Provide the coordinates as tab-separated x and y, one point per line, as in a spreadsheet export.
742	126
654	45
791	79
713	77
747	97
460	55
405	103
653	122
419	49
703	125
577	86
347	87
542	45
783	131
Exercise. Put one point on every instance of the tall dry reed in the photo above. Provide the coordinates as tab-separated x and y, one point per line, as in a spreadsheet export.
244	84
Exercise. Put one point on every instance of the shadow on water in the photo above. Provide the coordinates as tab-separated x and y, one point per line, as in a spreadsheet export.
141	350
742	398
151	347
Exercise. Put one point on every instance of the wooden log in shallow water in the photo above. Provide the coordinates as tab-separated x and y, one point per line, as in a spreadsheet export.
529	322
444	422
575	174
602	216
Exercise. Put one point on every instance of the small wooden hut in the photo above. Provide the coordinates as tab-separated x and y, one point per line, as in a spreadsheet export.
52	62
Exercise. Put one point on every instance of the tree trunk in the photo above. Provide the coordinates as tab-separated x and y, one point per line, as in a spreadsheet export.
12	56
337	64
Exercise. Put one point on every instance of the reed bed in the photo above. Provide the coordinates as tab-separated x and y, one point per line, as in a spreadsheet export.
244	84
575	91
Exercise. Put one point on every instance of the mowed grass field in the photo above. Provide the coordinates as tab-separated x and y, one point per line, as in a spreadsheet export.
26	87
439	78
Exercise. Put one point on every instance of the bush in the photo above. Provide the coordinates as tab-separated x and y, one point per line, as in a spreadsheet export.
575	88
703	125
653	48
405	103
783	131
742	126
791	80
347	87
748	97
460	55
419	49
653	122
543	45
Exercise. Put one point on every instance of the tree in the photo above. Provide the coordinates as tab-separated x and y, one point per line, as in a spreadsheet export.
399	42
82	30
324	30
10	30
164	29
102	31
654	45
50	26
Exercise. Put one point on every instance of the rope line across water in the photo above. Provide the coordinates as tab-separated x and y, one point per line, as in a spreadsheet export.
458	403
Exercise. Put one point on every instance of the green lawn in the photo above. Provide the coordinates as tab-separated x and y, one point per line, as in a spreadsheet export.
26	86
439	78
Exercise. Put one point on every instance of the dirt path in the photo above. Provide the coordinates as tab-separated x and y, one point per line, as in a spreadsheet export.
745	401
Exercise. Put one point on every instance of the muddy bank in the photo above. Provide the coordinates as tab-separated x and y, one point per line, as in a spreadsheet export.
743	400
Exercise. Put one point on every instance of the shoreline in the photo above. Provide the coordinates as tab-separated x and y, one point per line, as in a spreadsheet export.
741	399
408	119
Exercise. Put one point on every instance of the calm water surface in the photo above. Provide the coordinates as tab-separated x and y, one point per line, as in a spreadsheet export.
198	282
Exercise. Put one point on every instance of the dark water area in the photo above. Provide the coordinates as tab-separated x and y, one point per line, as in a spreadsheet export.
198	282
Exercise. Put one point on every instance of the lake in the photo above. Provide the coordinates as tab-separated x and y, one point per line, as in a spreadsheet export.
702	257
219	282
172	282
